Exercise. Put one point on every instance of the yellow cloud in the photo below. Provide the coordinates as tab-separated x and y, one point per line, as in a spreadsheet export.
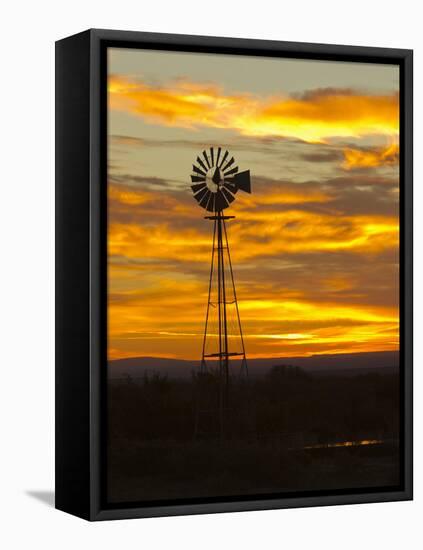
309	232
149	322
358	158
294	231
257	232
127	196
302	309
146	299
315	117
157	294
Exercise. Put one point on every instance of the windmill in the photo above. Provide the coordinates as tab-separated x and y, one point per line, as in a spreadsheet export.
216	181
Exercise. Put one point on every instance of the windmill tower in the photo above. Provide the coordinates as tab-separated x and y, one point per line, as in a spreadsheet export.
216	180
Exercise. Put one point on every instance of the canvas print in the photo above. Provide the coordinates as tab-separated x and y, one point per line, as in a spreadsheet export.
252	277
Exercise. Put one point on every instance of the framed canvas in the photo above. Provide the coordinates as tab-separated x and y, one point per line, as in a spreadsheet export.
233	274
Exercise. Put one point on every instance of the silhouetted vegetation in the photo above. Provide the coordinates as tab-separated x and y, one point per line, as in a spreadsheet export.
280	433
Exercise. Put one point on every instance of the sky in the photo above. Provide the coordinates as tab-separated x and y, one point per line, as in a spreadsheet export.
315	246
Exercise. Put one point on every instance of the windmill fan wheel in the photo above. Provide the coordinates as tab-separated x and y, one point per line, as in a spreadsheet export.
216	180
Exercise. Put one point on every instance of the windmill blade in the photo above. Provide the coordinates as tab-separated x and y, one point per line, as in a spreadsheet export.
230	186
201	194
228	196
220	202
210	204
207	159
203	202
242	181
233	171
198	186
196	179
224	158
219	150
228	164
212	156
201	163
198	171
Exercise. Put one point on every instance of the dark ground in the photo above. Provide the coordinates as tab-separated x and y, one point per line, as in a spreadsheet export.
283	432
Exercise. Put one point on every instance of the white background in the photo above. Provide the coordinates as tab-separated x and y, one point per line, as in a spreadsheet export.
28	32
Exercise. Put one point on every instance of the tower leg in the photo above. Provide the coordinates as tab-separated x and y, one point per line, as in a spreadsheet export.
203	361
221	279
244	366
223	329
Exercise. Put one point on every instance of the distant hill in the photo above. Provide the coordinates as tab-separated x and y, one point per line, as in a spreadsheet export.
348	364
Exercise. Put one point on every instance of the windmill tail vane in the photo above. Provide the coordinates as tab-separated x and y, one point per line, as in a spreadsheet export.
215	182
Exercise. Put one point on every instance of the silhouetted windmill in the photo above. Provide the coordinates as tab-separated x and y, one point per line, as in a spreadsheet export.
216	180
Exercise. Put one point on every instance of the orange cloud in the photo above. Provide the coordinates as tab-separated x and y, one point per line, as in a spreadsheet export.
146	297
158	270
359	158
314	117
145	318
126	196
291	231
148	322
296	231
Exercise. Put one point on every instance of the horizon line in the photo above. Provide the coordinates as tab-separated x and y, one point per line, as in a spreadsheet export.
257	358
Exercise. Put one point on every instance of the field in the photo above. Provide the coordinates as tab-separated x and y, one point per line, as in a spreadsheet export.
283	432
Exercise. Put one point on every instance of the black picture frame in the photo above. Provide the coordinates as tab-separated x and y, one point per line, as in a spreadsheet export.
81	222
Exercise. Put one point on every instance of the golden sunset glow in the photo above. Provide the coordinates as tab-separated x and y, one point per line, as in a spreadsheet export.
312	118
315	247
290	230
355	158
